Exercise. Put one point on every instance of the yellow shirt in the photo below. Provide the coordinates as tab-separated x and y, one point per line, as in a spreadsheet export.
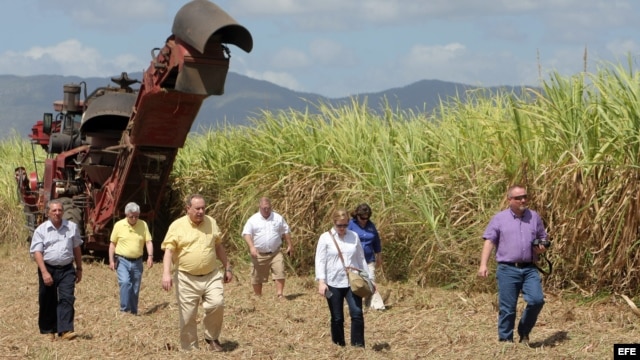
193	246
129	239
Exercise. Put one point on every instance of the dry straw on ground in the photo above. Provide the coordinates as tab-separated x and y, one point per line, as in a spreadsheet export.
418	324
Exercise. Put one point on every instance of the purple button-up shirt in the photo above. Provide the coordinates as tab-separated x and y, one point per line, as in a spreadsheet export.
512	235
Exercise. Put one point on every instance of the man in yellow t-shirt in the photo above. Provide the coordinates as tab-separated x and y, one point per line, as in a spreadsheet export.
192	244
128	238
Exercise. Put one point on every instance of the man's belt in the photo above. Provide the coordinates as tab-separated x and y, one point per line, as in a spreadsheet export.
59	266
130	259
517	264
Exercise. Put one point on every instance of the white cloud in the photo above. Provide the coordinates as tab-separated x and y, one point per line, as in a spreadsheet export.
113	14
327	52
402	11
622	47
279	78
288	58
457	63
69	57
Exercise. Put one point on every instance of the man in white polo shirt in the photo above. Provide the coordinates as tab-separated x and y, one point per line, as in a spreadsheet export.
263	232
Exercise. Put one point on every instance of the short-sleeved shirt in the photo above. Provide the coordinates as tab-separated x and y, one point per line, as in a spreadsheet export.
56	245
266	233
193	245
513	235
130	240
368	237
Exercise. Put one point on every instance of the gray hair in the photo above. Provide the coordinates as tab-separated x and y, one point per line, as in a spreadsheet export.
190	198
131	208
54	201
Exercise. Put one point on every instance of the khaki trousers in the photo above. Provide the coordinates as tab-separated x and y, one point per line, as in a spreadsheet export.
190	291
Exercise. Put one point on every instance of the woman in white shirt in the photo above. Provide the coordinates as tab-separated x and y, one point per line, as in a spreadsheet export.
332	277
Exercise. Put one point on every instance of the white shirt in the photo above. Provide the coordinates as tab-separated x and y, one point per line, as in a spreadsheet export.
328	265
266	233
56	245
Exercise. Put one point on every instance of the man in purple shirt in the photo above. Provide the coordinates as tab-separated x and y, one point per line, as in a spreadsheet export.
511	232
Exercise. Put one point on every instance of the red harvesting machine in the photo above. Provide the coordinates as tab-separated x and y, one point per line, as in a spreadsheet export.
118	144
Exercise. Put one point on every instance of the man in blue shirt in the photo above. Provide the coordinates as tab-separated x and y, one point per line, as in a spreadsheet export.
511	232
55	246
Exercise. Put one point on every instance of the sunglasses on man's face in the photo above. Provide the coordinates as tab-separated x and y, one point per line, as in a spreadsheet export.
342	225
520	197
363	218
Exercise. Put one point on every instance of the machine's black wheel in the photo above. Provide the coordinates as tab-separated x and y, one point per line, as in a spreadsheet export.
71	213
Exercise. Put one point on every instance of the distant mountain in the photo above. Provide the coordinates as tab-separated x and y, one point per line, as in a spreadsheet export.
23	99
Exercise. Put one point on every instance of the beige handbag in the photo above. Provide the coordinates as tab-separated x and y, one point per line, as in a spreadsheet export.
359	281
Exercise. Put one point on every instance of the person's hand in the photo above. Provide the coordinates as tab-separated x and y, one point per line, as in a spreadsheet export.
167	282
253	252
483	271
322	288
112	265
149	262
228	276
78	275
47	279
539	249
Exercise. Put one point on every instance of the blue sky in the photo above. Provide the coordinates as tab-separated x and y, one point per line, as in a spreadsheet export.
335	47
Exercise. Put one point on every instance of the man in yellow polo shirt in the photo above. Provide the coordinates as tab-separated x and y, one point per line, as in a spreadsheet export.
192	244
128	239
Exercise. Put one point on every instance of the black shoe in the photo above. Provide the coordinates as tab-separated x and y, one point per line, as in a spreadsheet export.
214	345
524	339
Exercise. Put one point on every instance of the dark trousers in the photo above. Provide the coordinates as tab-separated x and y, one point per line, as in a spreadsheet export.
336	307
56	301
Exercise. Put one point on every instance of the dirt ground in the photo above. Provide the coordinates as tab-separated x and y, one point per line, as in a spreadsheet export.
417	324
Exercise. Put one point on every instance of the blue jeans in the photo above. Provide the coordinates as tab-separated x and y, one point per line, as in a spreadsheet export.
336	307
511	281
56	301
129	277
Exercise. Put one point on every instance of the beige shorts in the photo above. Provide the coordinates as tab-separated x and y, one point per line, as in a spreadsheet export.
266	263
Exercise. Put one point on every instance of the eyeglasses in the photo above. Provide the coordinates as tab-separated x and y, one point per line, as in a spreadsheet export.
520	197
363	218
341	225
133	216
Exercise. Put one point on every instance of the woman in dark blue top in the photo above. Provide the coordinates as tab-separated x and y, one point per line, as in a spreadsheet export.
362	225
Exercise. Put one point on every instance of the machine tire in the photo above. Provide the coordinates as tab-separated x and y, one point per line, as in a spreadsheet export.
66	202
74	215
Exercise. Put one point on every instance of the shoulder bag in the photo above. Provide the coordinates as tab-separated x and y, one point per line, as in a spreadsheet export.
359	281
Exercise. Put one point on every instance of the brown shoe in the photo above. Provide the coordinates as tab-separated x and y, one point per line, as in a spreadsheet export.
68	335
214	345
52	336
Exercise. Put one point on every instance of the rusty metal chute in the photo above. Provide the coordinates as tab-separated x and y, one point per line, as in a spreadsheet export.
200	21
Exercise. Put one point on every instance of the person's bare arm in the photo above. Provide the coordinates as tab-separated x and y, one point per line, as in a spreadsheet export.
287	239
149	254
252	249
46	277
112	256
222	256
487	248
77	255
167	260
